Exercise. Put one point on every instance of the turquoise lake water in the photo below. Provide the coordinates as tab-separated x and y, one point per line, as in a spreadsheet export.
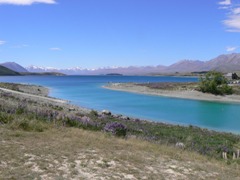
87	91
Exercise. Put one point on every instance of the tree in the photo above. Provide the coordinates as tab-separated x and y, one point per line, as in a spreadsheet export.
215	83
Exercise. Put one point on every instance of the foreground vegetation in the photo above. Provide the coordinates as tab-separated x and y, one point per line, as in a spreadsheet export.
59	140
71	153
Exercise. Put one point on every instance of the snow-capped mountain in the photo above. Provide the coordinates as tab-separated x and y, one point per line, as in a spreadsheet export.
131	70
223	63
41	69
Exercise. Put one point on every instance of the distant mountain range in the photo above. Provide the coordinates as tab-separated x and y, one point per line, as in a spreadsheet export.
223	63
14	69
131	70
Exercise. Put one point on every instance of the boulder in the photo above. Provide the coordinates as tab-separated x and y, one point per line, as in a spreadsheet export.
180	145
106	112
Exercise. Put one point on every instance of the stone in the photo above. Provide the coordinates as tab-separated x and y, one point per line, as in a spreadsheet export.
180	145
106	112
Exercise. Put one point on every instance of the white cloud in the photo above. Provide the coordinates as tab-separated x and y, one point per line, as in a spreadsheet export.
233	23
223	7
26	2
2	42
226	2
55	49
236	10
232	20
228	49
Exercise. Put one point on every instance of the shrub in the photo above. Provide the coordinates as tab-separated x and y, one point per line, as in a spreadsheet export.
226	89
93	113
29	125
19	111
116	128
215	83
4	118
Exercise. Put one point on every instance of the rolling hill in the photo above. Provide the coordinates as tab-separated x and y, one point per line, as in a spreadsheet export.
7	72
14	67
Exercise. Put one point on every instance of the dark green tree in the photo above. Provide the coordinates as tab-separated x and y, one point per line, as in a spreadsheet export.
215	83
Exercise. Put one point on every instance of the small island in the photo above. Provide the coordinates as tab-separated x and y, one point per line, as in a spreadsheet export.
114	74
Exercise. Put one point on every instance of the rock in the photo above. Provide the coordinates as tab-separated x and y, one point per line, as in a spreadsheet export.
85	119
117	115
137	120
125	118
106	112
180	145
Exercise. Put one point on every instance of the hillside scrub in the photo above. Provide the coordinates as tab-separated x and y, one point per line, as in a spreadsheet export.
214	83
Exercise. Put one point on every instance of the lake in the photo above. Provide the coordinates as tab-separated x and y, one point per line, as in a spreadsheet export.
87	91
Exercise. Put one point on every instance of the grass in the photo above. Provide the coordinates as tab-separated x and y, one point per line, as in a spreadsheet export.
203	141
32	89
75	153
44	139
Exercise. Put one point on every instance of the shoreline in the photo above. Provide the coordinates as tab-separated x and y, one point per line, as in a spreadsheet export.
34	96
40	94
181	94
28	92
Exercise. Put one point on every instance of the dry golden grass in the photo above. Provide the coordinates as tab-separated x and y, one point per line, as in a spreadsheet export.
70	153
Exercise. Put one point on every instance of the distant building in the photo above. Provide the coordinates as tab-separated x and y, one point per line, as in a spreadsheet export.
233	77
229	76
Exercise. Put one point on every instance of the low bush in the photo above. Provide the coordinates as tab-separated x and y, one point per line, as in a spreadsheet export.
214	83
116	129
29	125
5	118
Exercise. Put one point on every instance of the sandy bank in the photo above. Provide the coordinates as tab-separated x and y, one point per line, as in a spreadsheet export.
184	94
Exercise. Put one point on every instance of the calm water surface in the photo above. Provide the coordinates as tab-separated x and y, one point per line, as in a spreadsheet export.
87	91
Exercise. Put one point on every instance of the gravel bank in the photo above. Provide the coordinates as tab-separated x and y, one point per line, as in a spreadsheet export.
184	94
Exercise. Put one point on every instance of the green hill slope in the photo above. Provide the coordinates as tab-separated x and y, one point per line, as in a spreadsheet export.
7	72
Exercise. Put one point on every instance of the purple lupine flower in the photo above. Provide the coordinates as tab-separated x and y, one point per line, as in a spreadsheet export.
116	128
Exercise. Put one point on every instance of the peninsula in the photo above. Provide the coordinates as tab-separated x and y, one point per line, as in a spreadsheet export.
174	90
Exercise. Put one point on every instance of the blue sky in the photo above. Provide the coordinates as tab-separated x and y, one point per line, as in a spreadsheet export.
96	33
